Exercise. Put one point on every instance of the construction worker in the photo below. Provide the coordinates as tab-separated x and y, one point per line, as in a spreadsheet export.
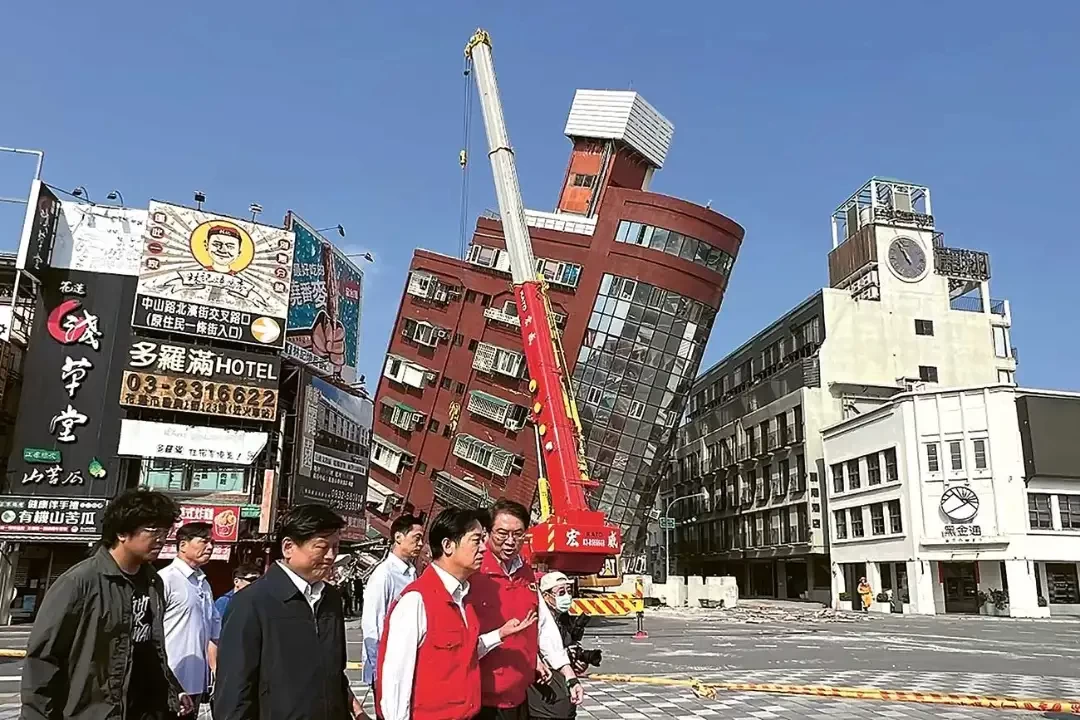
428	664
506	588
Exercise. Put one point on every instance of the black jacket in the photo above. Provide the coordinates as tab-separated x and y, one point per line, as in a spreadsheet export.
551	700
78	661
277	661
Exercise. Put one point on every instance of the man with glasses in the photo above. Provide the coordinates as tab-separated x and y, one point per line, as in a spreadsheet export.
506	588
192	623
242	576
97	648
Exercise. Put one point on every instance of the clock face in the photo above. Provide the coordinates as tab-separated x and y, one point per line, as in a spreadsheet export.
907	259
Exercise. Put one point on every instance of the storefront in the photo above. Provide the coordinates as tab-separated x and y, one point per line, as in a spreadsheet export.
40	539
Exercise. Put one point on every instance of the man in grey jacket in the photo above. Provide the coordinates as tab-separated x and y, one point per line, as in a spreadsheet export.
97	649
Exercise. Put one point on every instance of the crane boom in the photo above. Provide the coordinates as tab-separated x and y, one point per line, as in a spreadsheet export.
573	538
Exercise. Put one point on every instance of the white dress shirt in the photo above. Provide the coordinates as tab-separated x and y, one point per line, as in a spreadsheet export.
191	623
387	581
312	592
551	645
408	628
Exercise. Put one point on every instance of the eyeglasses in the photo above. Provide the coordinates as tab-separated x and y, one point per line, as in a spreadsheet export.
251	578
504	535
155	530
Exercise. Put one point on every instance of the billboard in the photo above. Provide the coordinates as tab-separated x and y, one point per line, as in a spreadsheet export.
324	305
213	277
63	519
173	375
39	228
332	462
68	420
99	238
141	438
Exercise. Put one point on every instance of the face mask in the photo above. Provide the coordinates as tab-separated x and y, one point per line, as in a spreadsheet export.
563	602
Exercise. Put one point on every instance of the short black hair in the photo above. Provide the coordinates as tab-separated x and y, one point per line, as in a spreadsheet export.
304	522
503	506
403	524
245	571
193	530
452	524
134	509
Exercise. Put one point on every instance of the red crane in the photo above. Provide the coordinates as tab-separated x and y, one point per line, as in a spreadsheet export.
571	536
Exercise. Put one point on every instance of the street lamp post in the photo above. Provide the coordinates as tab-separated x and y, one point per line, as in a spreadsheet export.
703	495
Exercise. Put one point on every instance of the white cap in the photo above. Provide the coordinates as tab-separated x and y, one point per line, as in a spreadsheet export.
551	580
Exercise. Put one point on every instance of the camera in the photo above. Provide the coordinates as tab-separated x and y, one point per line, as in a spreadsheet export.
579	655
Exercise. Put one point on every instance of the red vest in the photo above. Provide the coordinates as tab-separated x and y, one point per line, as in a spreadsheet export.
507	671
446	685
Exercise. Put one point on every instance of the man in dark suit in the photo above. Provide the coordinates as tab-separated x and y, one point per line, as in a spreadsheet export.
282	650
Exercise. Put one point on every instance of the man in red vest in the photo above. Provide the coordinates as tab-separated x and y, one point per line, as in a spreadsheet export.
428	666
506	588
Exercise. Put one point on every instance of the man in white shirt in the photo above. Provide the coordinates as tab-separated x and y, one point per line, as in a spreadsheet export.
387	581
192	623
429	661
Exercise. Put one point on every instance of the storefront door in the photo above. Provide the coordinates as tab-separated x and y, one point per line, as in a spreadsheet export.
961	587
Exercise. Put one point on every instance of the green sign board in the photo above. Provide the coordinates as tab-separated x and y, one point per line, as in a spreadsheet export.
250	511
667	523
39	455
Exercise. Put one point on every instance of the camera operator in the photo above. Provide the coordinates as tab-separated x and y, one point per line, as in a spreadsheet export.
549	696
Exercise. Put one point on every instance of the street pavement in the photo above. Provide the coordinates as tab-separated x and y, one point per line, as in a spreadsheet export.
976	656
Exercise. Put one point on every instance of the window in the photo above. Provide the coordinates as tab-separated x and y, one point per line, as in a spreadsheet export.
928	373
483	454
838	478
459	387
785	473
675	244
896	523
490	358
890	465
873	469
185	476
856	522
470	296
853	474
458	339
489	257
1069	505
877	519
433	426
422	332
485	299
421	468
956	455
1062	581
580	180
594	396
637	409
933	463
1006	376
1039	516
1001	342
924	327
979	447
840	522
445	383
557	272
473	345
421	285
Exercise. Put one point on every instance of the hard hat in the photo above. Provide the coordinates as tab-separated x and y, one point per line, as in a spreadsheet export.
553	579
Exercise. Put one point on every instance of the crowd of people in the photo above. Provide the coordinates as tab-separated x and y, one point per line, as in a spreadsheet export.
473	636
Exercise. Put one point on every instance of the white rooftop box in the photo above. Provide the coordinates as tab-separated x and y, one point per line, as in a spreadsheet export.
621	115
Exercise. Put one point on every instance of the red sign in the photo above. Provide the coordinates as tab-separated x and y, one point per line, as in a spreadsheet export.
224	520
355	528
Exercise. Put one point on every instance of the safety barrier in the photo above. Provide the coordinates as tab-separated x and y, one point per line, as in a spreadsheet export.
615	605
709	691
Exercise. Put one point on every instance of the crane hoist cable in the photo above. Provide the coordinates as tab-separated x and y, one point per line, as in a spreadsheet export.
463	158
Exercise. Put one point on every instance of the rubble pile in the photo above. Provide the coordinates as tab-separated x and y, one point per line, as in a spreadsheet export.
755	613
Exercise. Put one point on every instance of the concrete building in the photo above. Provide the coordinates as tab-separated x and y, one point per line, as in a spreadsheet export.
936	498
636	279
903	311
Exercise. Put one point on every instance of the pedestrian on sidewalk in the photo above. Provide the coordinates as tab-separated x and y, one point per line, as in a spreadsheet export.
192	622
242	576
505	588
387	581
97	648
866	594
428	666
282	652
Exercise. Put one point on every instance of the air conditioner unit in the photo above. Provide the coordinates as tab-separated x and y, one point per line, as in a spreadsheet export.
441	295
442	333
418	418
513	424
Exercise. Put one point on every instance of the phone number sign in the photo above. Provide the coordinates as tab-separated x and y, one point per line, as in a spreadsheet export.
164	392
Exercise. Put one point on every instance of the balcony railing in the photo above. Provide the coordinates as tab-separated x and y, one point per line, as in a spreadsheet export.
974	303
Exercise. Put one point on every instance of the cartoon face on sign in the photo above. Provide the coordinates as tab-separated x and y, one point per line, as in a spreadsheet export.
222	246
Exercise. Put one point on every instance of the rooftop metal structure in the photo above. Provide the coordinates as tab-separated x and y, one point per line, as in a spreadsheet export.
885	200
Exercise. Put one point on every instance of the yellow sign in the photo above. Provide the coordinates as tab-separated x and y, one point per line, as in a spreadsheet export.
196	396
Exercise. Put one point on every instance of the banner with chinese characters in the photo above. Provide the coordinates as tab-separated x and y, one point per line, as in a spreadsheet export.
214	277
58	519
68	421
224	520
210	381
140	438
324	305
334	470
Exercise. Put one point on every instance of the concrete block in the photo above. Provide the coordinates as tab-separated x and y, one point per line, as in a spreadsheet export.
695	591
673	592
723	589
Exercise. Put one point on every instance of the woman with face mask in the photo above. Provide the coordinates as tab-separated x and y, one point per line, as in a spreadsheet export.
549	696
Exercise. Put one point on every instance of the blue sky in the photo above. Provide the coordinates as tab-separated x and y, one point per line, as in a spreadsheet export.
350	112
